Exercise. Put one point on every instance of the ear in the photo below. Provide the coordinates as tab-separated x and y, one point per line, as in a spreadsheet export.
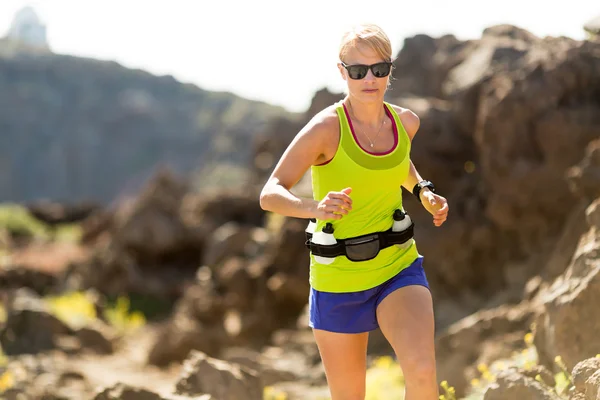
342	71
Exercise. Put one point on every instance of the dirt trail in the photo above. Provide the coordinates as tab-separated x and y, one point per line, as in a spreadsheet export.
126	365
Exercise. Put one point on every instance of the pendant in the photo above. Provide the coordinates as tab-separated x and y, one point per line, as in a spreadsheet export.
371	144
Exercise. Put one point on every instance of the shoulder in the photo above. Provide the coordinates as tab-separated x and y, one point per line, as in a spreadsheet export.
324	124
410	120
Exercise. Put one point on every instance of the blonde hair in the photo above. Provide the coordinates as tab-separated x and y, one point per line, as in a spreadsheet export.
368	34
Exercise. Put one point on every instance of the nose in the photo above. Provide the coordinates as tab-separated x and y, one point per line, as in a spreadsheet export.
370	76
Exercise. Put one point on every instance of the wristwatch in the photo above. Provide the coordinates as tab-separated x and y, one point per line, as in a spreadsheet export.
419	186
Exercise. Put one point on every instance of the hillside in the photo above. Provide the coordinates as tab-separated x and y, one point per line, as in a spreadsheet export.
74	128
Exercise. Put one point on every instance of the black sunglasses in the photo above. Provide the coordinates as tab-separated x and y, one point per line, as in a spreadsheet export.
359	71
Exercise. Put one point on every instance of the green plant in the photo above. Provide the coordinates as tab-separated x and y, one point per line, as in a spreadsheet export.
384	380
2	313
77	309
270	393
6	377
15	219
564	380
6	381
449	391
121	317
527	358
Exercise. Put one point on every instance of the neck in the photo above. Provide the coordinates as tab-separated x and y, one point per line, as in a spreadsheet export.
369	114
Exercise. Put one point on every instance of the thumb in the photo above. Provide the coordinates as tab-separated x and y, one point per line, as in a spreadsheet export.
347	190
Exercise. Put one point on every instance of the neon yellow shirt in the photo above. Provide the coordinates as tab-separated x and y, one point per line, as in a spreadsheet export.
375	179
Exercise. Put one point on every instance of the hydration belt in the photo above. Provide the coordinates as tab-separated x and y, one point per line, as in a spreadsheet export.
363	247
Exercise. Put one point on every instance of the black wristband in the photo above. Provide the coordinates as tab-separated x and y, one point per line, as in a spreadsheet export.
419	186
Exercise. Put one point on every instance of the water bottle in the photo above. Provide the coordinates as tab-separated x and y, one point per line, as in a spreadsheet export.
325	236
401	222
310	228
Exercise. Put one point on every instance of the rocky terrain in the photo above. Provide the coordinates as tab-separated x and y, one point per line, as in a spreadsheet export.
510	134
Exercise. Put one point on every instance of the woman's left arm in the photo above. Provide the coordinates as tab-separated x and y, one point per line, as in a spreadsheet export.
435	204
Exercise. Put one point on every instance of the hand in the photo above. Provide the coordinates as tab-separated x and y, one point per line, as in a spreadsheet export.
436	205
334	205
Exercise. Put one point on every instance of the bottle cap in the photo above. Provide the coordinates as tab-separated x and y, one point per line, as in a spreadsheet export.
328	228
399	215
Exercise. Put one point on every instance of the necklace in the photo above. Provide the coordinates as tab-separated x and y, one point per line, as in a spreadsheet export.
371	142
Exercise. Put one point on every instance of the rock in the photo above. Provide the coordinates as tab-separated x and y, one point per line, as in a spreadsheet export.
55	213
122	391
225	381
235	280
228	240
183	335
510	385
214	209
583	178
577	396
43	376
545	374
507	191
423	64
568	323
321	99
236	302
566	246
480	339
593	215
155	243
30	327
268	370
150	250
270	144
151	225
583	370
125	392
13	277
592	386
294	342
285	263
97	336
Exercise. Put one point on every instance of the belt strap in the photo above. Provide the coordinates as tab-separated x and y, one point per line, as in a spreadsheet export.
386	239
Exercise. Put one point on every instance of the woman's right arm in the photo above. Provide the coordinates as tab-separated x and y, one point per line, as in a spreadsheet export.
308	148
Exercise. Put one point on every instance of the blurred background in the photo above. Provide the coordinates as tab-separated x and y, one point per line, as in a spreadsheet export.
135	261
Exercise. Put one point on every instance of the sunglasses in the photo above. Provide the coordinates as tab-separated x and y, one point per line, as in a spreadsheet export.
359	71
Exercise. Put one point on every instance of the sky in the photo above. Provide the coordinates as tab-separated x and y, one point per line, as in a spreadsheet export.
280	52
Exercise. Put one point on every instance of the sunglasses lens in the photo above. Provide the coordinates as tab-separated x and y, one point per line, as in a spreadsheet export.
380	70
357	71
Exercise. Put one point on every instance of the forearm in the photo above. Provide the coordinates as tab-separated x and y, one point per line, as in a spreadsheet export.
412	179
278	199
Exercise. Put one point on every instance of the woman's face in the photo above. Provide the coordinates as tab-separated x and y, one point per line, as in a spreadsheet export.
370	88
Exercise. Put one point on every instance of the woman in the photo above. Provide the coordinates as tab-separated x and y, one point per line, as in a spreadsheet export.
358	151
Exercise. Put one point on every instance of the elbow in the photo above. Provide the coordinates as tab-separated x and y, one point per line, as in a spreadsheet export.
264	199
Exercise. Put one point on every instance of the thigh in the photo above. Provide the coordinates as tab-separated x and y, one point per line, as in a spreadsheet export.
344	357
406	319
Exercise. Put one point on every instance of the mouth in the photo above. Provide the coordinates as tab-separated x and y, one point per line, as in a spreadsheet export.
370	90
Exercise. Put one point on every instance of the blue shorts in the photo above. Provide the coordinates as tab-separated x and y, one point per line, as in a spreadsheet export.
355	312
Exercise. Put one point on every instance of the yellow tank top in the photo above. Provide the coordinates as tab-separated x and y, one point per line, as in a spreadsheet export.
375	179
